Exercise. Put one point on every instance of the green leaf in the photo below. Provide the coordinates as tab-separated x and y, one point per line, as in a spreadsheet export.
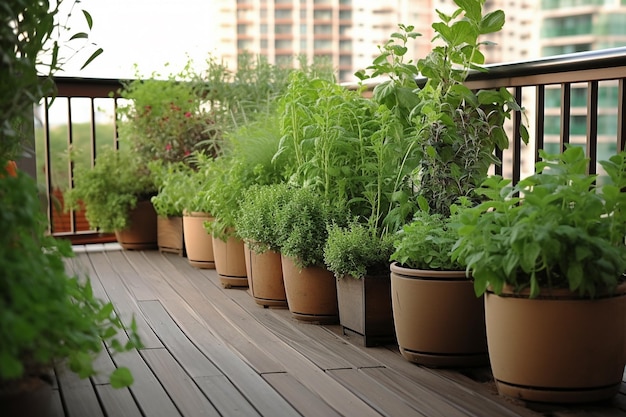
492	22
121	377
79	35
88	19
92	57
472	8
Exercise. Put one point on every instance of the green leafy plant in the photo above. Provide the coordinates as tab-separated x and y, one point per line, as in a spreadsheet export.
554	229
256	222
356	250
170	179
110	189
47	316
456	129
301	226
427	241
166	119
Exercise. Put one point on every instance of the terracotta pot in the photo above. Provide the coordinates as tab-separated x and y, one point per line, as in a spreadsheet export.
230	262
438	319
311	292
365	309
170	234
265	278
198	242
28	397
559	348
141	234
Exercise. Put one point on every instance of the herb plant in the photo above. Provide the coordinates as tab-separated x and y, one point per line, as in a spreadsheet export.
554	229
47	316
169	179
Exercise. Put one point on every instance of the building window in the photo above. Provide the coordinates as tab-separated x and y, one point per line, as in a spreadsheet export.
282	29
567	26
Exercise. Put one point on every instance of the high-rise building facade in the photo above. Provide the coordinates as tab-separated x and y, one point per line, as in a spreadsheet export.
348	32
569	26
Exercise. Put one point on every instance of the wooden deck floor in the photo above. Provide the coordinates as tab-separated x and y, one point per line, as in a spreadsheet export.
211	351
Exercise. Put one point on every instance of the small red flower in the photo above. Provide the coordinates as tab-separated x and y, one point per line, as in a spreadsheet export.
11	169
168	147
188	114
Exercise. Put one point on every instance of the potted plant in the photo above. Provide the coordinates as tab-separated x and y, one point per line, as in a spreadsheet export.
455	130
256	223
168	204
549	255
196	212
48	317
116	194
431	332
358	256
302	232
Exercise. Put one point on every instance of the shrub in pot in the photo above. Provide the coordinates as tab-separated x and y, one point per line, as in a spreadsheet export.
301	227
439	321
116	193
359	257
168	204
256	224
549	254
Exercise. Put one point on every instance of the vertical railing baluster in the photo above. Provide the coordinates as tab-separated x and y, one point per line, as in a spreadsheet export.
517	137
540	119
621	120
70	142
566	112
48	163
592	126
93	131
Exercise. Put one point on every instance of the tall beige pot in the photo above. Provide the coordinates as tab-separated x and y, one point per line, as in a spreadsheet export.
557	348
230	262
438	319
141	233
265	278
198	242
311	292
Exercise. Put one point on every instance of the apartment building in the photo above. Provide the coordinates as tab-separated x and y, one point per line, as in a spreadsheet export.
347	32
569	26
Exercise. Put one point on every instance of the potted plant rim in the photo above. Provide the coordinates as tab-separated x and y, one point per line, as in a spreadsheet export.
549	255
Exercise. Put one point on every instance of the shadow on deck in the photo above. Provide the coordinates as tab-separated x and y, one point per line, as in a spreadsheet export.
211	351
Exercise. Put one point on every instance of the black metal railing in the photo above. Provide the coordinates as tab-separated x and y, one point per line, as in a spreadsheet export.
575	98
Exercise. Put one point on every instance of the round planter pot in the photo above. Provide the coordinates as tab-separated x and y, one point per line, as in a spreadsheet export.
28	397
141	234
198	242
311	292
557	348
439	321
230	262
265	278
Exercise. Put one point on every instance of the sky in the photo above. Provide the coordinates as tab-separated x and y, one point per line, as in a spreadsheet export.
149	33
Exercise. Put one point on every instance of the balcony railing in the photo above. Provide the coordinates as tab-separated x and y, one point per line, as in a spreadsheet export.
576	98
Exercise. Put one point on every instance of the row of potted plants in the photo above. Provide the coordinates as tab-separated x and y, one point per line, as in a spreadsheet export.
321	180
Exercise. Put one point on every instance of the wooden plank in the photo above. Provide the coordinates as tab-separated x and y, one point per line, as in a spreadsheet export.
125	304
152	398
264	398
306	402
118	402
201	303
78	395
323	357
424	400
225	397
473	403
383	400
181	388
135	285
